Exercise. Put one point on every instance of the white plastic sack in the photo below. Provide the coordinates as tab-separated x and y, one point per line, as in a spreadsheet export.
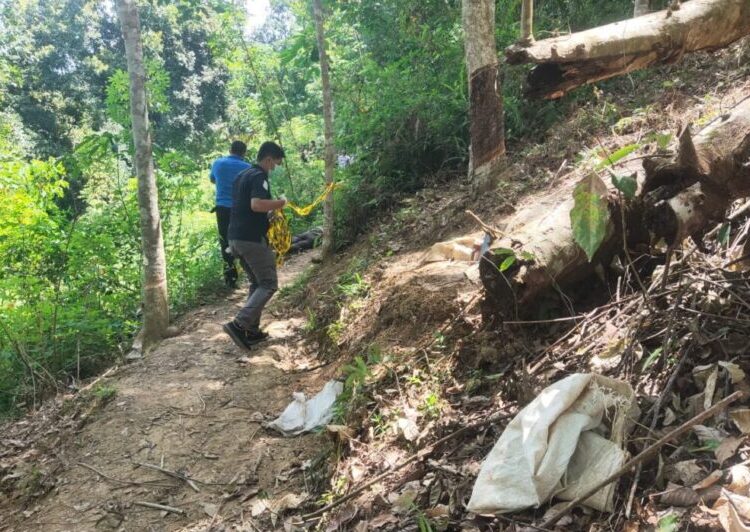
553	447
302	415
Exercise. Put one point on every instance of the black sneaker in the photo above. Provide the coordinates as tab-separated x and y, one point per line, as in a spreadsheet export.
241	337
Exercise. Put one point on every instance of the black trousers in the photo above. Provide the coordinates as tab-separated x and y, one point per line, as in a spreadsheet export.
222	221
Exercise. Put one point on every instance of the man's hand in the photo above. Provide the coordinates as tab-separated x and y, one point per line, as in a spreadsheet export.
264	205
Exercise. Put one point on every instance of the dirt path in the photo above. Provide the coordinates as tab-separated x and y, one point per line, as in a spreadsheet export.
193	406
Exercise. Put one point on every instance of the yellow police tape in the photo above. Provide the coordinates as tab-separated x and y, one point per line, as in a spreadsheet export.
279	234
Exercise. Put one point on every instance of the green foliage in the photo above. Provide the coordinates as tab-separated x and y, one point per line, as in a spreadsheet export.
662	140
70	282
652	358
668	523
355	375
724	234
424	523
105	393
507	257
617	155
625	184
589	217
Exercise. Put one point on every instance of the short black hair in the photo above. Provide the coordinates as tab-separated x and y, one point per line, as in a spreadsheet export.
238	148
270	149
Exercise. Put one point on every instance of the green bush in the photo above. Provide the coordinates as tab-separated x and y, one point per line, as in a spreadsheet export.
70	281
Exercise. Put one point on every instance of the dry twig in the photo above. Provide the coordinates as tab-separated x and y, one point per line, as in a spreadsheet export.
125	482
162	507
173	474
419	454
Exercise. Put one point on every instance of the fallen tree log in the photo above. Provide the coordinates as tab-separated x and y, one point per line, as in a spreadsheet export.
663	37
709	172
679	197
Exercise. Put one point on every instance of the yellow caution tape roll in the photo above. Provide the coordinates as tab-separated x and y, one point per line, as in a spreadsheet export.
279	234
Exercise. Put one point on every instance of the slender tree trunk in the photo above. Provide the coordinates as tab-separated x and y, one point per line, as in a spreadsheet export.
330	151
487	151
641	7
527	21
155	302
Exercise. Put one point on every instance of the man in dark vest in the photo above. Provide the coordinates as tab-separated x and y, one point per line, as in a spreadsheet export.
224	170
248	226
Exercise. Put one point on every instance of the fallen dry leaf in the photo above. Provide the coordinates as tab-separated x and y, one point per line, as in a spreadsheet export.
741	418
731	509
727	448
679	496
346	514
258	505
342	431
710	389
382	520
288	501
441	510
740	475
709	434
710	480
210	509
408	428
735	372
686	473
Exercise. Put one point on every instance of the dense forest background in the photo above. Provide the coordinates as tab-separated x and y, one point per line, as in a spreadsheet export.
69	236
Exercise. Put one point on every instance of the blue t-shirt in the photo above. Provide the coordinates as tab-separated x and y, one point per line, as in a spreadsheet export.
223	172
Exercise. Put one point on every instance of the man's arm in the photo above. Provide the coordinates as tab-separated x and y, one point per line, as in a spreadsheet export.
266	205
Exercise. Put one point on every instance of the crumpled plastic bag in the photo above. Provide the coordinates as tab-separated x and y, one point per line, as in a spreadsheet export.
555	447
302	415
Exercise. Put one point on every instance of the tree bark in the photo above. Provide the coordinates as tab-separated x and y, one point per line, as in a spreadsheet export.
527	22
679	197
543	231
487	130
641	7
330	151
571	61
155	301
685	195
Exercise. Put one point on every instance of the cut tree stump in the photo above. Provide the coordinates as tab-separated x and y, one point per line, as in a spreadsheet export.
681	196
663	37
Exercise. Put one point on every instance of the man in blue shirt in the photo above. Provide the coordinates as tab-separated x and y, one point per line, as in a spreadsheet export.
223	172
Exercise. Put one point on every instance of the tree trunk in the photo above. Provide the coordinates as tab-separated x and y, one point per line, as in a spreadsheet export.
679	197
487	152
544	232
684	196
330	151
155	302
641	7
567	62
527	22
